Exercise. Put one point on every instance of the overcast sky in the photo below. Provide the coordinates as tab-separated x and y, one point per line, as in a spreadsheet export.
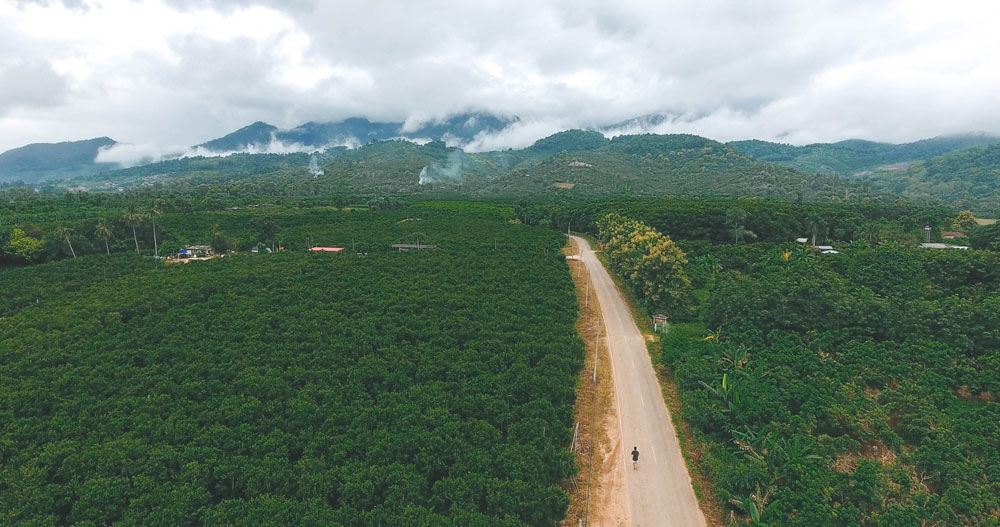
167	73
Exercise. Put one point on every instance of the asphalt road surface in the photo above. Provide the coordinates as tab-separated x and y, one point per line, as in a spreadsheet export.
659	492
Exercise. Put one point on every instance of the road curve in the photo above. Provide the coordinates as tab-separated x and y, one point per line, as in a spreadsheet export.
659	492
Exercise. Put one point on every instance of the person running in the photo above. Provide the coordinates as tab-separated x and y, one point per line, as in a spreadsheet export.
635	458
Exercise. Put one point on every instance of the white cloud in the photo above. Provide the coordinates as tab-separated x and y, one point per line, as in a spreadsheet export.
172	72
129	154
521	134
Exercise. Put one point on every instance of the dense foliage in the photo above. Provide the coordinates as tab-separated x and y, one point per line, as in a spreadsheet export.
652	264
960	170
573	164
768	219
851	389
846	158
968	178
394	388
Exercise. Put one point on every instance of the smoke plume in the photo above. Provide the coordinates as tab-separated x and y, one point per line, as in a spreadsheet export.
448	171
314	167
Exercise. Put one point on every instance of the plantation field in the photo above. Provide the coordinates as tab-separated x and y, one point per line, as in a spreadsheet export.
850	389
856	388
413	388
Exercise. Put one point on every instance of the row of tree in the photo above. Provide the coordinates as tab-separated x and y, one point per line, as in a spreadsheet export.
22	246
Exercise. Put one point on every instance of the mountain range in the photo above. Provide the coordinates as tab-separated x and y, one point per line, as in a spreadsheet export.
354	132
363	157
571	164
37	163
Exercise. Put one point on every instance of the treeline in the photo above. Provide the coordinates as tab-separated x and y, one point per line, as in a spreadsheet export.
420	388
769	220
42	229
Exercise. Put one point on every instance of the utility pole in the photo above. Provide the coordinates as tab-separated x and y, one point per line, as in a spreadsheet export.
597	351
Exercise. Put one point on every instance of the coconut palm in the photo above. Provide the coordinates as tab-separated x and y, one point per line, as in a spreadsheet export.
103	231
64	232
155	211
133	219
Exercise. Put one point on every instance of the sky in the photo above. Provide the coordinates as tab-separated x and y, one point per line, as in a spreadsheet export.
163	74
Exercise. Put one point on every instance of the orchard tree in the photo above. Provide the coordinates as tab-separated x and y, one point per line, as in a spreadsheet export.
22	245
964	222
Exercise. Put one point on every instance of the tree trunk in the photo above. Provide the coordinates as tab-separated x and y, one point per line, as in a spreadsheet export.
156	249
70	247
106	246
136	240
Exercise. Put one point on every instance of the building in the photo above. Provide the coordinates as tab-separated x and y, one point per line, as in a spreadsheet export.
413	246
951	235
196	251
326	249
942	246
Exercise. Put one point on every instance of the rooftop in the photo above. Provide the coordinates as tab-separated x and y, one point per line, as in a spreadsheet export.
413	246
941	246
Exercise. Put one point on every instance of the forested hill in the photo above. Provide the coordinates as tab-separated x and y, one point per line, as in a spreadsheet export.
356	131
256	133
968	178
39	161
572	164
849	157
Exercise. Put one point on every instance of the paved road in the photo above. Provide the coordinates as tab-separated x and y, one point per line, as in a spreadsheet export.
659	492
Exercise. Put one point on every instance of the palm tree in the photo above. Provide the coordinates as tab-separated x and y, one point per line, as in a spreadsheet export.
104	232
133	219
814	224
155	211
64	232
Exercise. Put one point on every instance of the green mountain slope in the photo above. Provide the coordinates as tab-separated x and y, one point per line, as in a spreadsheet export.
47	161
855	155
968	178
258	133
574	163
667	164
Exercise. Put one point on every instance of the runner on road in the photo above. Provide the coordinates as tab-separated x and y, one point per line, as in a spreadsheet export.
635	458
